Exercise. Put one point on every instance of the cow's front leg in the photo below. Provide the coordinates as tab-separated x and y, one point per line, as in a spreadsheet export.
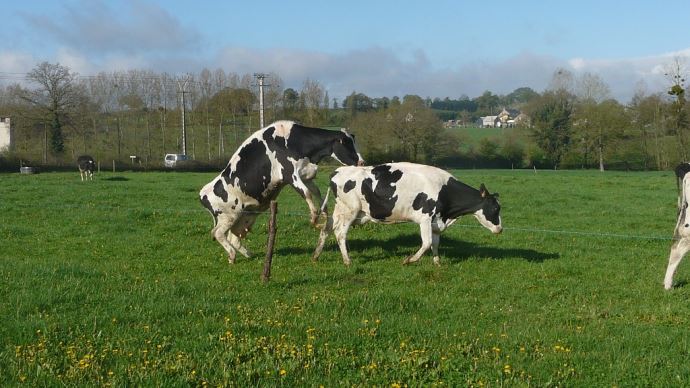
236	242
427	237
311	194
239	230
678	250
435	239
220	232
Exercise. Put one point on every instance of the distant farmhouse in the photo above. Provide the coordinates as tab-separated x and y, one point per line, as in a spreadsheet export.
508	118
5	134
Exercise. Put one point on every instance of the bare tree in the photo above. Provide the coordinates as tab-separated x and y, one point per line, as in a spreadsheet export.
56	97
594	120
676	73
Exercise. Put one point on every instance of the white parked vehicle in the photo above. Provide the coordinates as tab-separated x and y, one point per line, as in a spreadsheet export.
172	159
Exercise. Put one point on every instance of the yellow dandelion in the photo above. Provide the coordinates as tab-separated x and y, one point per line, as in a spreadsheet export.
283	372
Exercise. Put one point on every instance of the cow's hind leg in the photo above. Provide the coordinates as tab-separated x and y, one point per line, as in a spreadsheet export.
427	238
341	224
678	250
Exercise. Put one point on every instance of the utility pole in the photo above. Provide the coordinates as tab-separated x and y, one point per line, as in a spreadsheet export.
260	77
182	85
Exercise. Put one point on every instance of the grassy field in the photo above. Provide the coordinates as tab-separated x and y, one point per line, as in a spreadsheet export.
117	282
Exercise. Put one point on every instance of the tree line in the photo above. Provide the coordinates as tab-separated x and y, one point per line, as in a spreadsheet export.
57	115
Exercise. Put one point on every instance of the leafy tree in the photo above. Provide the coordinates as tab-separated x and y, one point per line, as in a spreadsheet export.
520	96
487	103
290	100
551	124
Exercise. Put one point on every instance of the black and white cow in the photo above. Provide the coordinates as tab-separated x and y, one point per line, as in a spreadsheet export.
86	166
283	153
398	192
682	231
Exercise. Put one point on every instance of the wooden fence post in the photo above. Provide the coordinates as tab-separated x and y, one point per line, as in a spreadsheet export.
266	275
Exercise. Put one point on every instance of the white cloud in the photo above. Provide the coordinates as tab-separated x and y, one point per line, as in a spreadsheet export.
98	29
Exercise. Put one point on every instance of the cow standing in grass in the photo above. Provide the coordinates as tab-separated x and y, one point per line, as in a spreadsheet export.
86	166
682	231
400	192
283	153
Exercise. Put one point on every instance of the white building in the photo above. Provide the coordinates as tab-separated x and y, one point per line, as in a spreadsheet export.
5	134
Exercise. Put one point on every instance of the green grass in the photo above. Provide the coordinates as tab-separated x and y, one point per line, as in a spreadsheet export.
117	282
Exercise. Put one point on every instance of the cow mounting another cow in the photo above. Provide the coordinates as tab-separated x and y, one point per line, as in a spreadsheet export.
86	166
399	192
283	153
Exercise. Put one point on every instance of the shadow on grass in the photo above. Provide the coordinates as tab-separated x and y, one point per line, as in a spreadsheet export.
115	179
680	284
404	245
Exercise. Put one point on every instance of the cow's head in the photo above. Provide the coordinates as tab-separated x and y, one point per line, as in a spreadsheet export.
489	214
345	151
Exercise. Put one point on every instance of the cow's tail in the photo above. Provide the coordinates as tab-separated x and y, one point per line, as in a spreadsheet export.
682	206
324	203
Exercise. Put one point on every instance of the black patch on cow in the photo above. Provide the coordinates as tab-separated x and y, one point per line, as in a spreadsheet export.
349	185
423	202
207	204
253	170
344	149
332	185
382	199
456	199
682	169
491	209
317	143
219	190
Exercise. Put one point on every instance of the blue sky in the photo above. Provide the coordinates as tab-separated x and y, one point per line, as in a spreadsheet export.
380	48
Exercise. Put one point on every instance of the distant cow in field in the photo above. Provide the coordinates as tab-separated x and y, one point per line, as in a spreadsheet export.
283	153
682	231
398	192
86	166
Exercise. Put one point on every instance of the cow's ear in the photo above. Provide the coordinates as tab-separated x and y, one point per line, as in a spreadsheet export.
482	191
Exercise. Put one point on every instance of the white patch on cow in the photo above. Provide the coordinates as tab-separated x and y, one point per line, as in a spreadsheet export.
496	229
283	128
